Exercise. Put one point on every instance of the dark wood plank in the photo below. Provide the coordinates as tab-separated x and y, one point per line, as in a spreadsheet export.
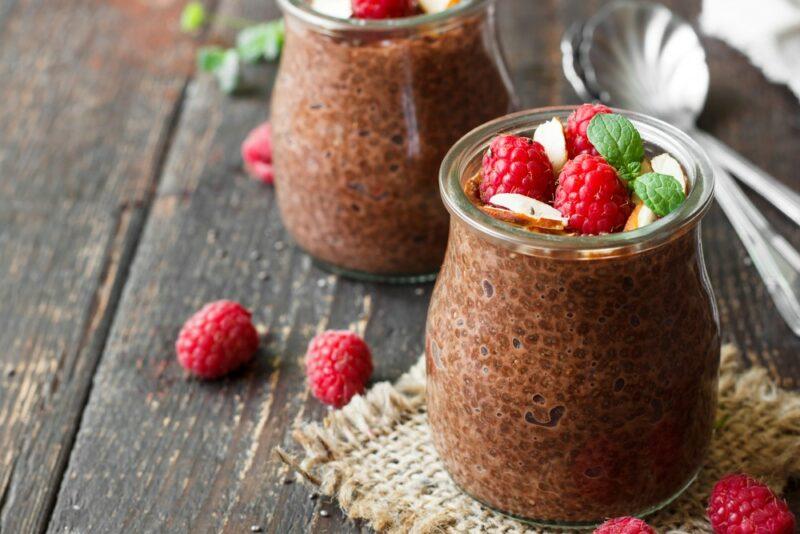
157	451
89	89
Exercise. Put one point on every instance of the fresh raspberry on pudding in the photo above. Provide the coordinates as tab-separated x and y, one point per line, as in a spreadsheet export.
575	131
592	196
382	9
740	504
519	165
624	525
338	365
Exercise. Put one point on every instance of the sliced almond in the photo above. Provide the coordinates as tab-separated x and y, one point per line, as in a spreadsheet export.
666	164
521	219
640	216
342	9
527	211
436	6
527	206
550	135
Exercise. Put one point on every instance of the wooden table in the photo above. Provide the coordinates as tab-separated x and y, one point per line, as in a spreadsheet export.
123	208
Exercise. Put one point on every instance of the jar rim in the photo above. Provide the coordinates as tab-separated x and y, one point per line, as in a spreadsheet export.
666	137
302	10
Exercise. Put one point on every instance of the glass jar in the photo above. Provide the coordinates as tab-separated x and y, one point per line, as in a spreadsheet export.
571	379
363	113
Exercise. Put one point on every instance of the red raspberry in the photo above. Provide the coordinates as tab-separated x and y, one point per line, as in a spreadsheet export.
257	153
217	339
575	132
382	9
742	505
338	365
517	165
624	525
592	197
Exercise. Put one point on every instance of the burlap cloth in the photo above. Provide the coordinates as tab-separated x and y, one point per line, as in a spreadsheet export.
375	456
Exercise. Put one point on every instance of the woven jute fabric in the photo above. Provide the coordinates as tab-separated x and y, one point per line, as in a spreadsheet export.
376	457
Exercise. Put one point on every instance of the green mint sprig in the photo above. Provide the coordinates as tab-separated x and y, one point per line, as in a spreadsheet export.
255	42
262	41
193	17
618	141
659	192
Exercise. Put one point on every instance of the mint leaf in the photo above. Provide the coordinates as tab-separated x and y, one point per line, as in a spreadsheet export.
228	72
618	141
209	58
659	192
193	17
262	41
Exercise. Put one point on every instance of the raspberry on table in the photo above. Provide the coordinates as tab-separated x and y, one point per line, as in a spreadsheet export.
257	153
217	339
514	164
575	130
382	9
624	525
338	365
740	504
592	196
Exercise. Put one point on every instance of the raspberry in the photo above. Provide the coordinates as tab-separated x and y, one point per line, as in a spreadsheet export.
382	9
741	505
217	339
257	153
592	197
575	131
517	165
338	365
624	525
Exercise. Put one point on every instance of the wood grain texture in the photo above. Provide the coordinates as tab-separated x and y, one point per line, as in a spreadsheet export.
159	452
85	111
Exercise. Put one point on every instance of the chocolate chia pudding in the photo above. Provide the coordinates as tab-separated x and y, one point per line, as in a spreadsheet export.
572	378
363	113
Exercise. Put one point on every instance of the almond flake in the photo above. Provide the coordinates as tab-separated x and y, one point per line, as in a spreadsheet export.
667	165
334	8
436	6
550	135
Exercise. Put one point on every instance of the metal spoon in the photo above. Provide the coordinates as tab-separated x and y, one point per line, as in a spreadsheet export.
643	57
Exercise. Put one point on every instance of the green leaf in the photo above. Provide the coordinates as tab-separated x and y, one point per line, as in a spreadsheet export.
228	73
659	192
209	58
193	17
618	141
262	41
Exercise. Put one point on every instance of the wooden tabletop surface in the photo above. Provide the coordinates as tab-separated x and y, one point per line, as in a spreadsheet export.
124	207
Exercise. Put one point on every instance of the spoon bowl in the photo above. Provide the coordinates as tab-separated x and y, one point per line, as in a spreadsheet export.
642	56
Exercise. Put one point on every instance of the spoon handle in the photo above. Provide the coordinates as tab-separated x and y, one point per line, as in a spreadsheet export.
775	259
781	196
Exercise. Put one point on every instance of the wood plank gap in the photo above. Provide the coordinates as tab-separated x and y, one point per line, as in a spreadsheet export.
140	215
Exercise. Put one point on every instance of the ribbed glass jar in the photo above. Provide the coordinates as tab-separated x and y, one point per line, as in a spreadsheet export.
571	379
363	113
